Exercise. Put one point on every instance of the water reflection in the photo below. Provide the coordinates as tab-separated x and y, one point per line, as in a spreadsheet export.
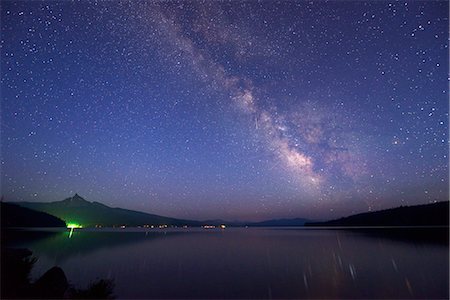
249	263
60	245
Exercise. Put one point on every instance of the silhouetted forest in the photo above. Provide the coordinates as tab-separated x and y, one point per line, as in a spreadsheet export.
435	214
17	216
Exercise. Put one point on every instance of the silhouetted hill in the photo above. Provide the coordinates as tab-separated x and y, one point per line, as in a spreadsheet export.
279	222
88	214
435	214
16	216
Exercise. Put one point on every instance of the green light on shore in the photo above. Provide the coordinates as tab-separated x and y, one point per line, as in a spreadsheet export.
74	225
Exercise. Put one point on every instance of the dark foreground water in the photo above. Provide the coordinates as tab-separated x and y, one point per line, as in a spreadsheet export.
250	262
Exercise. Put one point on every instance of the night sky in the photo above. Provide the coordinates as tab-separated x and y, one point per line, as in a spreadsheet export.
234	110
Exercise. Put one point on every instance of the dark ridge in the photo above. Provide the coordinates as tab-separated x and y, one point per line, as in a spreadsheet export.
279	222
16	216
435	214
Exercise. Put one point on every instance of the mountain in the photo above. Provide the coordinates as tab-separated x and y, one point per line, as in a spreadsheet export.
16	216
435	214
279	222
77	210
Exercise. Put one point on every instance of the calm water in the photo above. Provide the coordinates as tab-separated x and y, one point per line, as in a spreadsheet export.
250	262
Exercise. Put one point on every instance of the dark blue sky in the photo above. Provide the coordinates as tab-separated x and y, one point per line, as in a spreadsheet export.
235	110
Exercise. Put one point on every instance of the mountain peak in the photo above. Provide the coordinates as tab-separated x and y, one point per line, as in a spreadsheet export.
76	200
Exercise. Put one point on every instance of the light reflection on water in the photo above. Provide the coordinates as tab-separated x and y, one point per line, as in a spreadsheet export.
250	262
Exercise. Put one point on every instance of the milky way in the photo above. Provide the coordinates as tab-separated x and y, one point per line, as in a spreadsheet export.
235	110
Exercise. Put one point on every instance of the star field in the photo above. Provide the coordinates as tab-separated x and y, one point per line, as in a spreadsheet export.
234	110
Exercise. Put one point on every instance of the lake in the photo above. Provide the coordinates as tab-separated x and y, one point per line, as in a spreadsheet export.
250	262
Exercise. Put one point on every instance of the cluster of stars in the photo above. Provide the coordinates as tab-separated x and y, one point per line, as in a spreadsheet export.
226	109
